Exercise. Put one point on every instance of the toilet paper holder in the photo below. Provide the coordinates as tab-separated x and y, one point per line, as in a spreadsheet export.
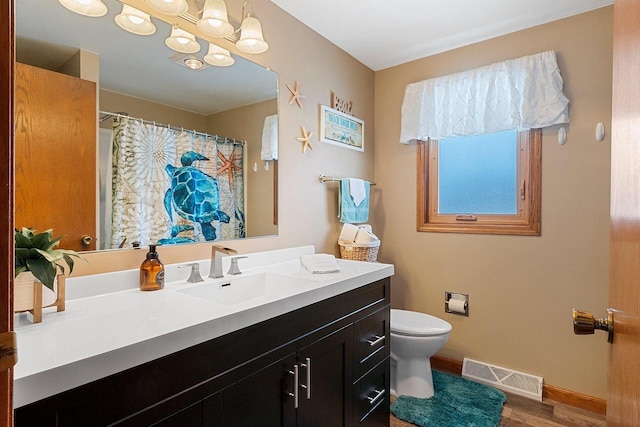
456	303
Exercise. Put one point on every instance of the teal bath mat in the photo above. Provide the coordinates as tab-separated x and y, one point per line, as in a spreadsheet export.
457	402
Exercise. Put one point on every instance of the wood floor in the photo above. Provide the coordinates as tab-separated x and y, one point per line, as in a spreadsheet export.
522	412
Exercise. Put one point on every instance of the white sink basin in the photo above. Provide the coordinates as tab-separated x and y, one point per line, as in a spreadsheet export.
239	289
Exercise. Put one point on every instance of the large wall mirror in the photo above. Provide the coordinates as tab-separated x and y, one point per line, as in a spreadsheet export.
121	143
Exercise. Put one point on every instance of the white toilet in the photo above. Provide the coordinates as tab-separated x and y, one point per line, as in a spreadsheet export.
415	337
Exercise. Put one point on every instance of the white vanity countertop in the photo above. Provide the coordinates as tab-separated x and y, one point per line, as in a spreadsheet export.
120	327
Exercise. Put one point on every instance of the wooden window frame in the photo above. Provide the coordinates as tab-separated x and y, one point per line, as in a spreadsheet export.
526	222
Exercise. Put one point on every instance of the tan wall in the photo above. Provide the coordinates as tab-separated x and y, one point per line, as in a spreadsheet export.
308	209
246	123
522	289
114	102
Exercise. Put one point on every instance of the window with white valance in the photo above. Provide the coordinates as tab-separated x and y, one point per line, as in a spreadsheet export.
521	94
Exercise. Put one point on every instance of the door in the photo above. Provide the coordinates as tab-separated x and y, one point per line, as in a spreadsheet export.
623	400
55	154
326	381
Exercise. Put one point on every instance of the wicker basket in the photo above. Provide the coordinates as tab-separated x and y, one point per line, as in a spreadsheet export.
357	252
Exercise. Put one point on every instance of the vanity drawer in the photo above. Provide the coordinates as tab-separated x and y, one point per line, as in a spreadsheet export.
371	341
371	398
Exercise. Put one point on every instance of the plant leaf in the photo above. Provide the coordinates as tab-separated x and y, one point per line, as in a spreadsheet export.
51	256
44	242
23	241
22	253
40	240
43	270
20	269
69	261
27	232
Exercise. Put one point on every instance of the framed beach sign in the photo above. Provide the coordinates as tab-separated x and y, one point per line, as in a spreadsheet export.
341	129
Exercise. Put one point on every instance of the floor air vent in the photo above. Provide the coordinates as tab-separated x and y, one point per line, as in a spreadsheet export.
505	379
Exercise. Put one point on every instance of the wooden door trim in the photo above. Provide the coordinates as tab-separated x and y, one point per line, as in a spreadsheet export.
6	198
568	397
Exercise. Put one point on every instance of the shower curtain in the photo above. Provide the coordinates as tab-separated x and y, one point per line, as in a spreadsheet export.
174	186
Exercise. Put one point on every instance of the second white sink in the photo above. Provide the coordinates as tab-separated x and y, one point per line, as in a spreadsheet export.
239	289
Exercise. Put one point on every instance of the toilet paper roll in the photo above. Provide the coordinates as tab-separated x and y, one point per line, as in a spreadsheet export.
348	233
366	227
457	305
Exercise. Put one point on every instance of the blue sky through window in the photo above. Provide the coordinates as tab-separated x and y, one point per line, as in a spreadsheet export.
477	174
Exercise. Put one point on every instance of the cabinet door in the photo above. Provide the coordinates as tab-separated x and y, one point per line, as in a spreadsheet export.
326	378
261	399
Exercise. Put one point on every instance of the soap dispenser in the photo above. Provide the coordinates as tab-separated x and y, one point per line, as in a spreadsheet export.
152	271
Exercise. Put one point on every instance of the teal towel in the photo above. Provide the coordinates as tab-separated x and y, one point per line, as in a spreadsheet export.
347	210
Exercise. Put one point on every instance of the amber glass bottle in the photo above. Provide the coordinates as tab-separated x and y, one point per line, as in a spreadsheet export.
152	271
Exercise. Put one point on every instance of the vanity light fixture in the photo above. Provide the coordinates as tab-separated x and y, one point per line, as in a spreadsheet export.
92	8
182	41
214	21
169	7
218	56
135	21
251	39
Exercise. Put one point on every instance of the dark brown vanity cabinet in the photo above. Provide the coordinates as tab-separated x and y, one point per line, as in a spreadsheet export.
324	365
260	399
270	397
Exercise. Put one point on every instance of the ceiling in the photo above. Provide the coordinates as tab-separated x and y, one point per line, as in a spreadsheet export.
383	33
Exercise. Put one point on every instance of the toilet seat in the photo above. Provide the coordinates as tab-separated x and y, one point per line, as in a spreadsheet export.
411	323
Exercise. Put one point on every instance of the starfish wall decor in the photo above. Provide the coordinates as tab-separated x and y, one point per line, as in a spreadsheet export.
228	166
295	94
305	139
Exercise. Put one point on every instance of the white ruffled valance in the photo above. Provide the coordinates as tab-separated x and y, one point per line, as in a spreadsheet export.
523	93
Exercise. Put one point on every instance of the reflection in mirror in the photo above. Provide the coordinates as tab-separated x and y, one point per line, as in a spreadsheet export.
119	143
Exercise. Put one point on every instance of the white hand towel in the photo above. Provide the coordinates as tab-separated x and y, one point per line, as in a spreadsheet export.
270	138
357	190
320	263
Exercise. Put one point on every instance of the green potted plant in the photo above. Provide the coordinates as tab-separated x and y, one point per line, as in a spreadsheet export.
36	258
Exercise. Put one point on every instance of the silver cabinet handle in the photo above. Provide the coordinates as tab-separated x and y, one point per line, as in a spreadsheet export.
375	340
378	396
295	374
307	386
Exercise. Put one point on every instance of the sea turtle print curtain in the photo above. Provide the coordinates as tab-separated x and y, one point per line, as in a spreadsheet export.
174	186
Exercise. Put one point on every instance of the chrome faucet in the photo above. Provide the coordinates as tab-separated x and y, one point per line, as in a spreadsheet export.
233	268
217	253
195	276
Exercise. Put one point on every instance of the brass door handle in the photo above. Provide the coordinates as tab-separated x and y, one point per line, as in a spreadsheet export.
585	324
86	240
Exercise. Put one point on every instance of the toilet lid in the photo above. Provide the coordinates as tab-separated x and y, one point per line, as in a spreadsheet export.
417	324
